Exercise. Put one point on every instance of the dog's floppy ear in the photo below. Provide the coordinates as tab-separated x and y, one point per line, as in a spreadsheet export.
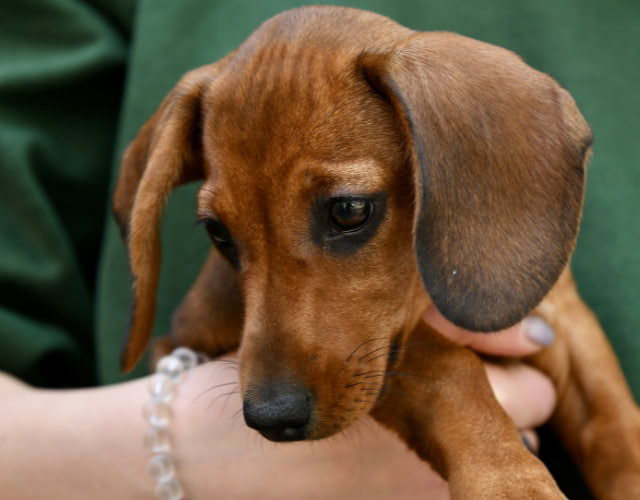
166	153
498	153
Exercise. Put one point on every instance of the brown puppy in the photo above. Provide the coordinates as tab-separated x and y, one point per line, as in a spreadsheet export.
355	171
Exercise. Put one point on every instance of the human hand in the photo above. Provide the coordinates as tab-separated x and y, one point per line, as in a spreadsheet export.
528	408
217	454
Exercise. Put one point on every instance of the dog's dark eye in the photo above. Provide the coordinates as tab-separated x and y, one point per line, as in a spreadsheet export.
350	214
218	232
221	238
344	223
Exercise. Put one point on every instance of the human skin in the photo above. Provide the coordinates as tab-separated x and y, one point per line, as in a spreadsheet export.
87	443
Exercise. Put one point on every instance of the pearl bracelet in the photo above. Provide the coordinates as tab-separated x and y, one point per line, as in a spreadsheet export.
169	371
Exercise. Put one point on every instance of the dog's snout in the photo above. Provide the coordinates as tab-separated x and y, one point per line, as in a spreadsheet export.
280	412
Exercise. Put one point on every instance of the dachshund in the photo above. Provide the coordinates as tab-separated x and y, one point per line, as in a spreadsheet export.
354	172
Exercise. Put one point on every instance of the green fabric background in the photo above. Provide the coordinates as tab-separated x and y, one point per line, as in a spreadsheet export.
77	79
61	72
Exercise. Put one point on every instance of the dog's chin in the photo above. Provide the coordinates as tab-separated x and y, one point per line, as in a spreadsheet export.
287	435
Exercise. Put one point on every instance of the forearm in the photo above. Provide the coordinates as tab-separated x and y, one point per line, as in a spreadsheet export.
73	444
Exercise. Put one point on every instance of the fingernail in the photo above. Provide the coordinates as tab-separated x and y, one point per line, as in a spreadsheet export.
527	444
538	331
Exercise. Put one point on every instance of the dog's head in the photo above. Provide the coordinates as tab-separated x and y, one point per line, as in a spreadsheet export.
348	165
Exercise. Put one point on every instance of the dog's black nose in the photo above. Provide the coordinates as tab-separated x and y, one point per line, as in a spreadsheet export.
279	413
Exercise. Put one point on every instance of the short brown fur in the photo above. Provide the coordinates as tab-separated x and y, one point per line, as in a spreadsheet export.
477	161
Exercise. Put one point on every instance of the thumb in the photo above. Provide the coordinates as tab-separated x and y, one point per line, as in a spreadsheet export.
524	339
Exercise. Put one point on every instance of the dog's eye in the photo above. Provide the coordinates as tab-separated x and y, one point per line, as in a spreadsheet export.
218	232
221	238
350	214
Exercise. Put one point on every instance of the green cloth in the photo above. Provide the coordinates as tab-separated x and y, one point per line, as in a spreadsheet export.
61	74
78	78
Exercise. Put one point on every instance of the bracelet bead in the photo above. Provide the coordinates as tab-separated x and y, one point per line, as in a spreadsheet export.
156	411
156	440
189	358
161	467
161	386
171	489
171	366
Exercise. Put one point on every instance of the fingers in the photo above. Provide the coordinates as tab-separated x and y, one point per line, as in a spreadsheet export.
523	339
527	395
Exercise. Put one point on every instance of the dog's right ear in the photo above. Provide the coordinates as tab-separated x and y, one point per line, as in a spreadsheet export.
166	153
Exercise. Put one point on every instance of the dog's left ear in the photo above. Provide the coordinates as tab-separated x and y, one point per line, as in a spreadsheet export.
498	152
166	153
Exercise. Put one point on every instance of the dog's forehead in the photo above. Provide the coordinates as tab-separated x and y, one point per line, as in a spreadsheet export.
288	97
295	81
293	108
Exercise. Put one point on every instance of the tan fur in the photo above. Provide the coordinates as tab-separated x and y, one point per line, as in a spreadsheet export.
476	163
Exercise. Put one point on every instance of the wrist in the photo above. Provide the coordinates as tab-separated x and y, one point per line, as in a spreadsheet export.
171	370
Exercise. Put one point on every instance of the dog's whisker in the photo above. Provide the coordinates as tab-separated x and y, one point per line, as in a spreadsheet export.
353	384
236	416
231	365
207	391
393	347
360	384
362	345
367	374
226	394
372	387
415	375
405	347
389	346
228	361
228	397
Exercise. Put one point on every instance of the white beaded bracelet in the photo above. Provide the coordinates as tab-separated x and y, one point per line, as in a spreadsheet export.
169	371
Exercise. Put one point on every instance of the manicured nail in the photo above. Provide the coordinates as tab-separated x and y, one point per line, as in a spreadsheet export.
538	331
528	444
